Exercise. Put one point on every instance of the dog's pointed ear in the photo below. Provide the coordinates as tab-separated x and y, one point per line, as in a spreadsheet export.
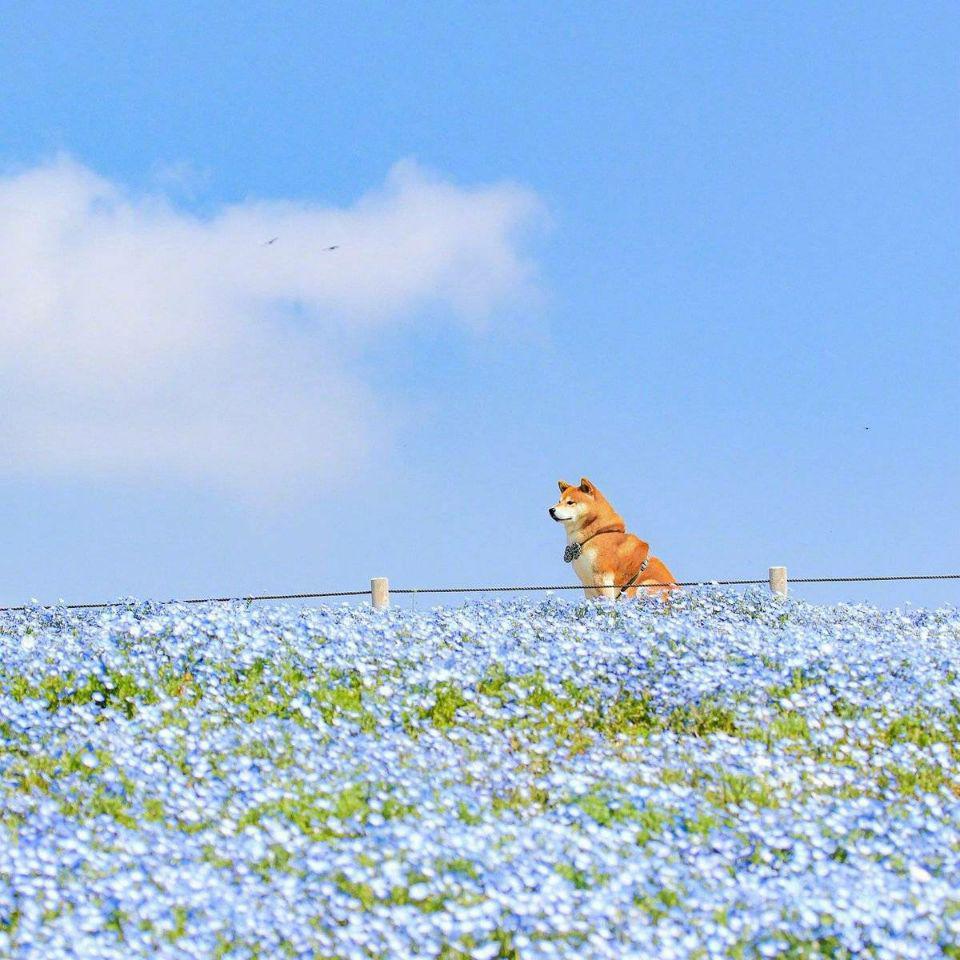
563	485
587	487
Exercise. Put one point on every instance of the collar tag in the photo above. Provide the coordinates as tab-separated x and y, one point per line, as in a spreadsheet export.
572	552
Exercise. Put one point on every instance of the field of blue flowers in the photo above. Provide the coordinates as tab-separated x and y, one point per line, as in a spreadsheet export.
721	776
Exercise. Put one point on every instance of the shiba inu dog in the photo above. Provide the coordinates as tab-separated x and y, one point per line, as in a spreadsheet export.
609	561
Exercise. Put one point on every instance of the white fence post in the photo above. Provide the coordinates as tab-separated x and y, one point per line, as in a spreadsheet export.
380	593
778	581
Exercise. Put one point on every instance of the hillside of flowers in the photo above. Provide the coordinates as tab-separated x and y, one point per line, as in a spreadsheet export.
721	776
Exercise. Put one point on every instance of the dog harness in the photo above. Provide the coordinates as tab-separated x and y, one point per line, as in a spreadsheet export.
574	550
634	578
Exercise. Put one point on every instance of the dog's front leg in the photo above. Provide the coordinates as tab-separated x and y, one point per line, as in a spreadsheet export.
606	586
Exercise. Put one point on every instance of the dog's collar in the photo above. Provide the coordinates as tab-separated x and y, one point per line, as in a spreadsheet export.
573	550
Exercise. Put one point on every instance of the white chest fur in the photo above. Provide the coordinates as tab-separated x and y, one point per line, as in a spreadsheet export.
584	567
596	583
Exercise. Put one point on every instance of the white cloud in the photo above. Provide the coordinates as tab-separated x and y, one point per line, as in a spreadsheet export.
140	340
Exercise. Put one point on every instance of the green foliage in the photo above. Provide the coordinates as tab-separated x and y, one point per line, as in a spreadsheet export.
448	699
791	725
258	691
180	916
311	813
921	729
277	858
922	777
702	719
797	682
658	904
733	789
579	878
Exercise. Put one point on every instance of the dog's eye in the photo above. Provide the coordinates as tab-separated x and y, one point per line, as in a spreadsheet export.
570	502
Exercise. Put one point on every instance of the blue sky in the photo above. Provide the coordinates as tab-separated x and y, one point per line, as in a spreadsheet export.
690	251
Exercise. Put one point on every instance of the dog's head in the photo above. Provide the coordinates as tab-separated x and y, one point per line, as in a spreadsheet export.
575	503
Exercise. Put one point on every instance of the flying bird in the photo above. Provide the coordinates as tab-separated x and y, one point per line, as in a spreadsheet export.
271	240
336	246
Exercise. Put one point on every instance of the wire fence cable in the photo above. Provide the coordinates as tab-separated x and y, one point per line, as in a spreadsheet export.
331	594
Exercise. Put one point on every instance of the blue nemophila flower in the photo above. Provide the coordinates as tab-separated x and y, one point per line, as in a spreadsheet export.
726	775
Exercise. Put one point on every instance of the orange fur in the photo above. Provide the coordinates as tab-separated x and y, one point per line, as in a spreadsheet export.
608	559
